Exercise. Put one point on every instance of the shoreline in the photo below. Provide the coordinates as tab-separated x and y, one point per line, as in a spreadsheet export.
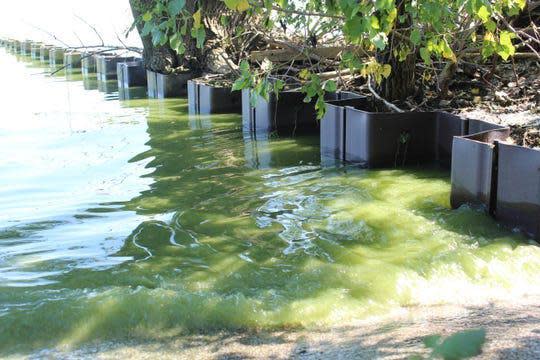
512	327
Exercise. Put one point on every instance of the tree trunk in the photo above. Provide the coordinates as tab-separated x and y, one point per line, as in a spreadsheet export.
401	82
157	58
214	57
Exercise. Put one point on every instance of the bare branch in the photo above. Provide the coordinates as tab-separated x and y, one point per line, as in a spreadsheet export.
91	27
380	98
48	33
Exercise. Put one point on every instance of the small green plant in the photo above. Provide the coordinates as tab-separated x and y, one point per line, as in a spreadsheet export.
259	83
461	345
377	38
167	21
314	87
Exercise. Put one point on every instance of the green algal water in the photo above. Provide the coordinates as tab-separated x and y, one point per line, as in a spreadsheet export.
134	220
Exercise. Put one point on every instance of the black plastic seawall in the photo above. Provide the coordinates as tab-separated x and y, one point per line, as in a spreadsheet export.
72	60
106	65
56	56
151	86
132	93
162	86
35	51
502	178
44	53
448	127
207	99
332	133
16	47
287	114
131	74
478	126
518	188
89	81
99	62
397	139
473	167
192	94
24	47
88	64
107	86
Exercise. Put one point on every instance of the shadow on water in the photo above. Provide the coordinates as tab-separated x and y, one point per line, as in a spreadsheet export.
241	232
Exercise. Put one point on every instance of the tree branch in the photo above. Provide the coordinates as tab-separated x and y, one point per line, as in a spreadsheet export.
380	98
91	27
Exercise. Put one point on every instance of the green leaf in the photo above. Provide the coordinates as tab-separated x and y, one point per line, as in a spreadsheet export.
175	6
278	86
237	5
462	345
416	36
330	86
483	13
157	36
506	48
164	25
177	44
244	66
380	40
174	41
243	5
304	74
163	40
384	4
147	28
432	341
386	70
224	20
374	21
197	19
354	28
231	4
490	25
201	36
239	84
320	106
425	55
183	29
147	16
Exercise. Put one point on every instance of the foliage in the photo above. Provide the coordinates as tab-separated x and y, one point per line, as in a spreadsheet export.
461	345
374	34
315	88
259	83
167	21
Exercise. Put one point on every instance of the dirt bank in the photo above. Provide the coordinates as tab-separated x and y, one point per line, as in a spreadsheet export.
513	332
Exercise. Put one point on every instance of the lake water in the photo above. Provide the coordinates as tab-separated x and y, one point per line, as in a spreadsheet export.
132	219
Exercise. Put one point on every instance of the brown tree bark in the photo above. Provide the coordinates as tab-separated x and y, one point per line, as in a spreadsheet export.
157	58
401	82
214	57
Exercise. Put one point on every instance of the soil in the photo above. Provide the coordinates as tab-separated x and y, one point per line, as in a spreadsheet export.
509	96
217	80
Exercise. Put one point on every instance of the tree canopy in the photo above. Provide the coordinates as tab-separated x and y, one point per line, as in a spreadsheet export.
371	39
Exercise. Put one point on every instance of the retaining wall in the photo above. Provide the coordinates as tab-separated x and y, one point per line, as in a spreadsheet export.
207	99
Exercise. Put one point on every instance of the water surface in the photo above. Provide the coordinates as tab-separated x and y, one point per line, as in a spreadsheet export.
131	219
